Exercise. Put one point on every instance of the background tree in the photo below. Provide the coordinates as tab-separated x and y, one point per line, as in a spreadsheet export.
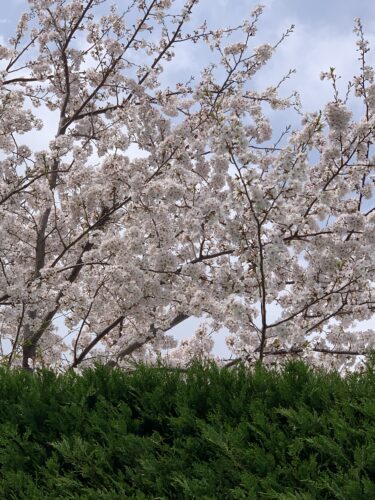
153	203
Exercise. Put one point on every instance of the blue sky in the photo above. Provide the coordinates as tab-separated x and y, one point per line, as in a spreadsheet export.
323	37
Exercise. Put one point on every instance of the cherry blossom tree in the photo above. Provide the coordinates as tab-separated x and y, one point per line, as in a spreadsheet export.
151	203
305	233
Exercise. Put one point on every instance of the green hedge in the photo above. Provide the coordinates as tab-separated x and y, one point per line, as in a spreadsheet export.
205	434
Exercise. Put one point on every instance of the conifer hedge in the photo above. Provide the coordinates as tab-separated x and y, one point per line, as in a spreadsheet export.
208	433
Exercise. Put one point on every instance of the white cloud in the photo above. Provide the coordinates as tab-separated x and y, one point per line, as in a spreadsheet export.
310	51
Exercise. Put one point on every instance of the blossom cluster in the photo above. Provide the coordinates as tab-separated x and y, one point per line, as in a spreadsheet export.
151	204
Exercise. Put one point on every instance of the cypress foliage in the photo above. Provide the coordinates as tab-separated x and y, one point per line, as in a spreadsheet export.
202	434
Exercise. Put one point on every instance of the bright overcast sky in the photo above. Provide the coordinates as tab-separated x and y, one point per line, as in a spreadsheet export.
323	37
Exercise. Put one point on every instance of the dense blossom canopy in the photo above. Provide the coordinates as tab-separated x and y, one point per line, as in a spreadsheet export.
152	203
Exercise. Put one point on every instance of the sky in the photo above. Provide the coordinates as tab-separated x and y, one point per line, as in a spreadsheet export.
323	37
